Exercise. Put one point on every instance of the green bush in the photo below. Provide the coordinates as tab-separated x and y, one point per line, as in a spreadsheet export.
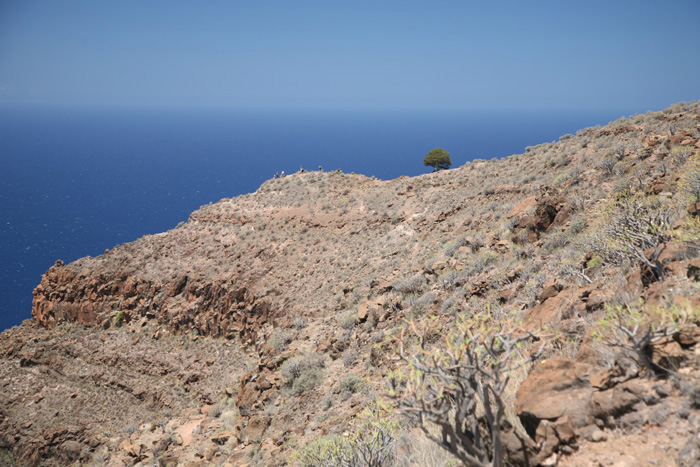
119	318
438	159
372	443
326	451
352	384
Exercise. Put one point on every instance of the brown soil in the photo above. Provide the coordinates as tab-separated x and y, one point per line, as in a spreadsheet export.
172	349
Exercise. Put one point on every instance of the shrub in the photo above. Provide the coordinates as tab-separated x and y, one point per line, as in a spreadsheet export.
375	436
303	373
608	165
119	318
372	444
280	339
577	226
689	233
307	380
638	328
299	322
413	285
561	178
460	390
577	202
349	356
454	245
574	269
348	320
332	450
130	429
479	262
351	384
575	173
634	226
622	186
680	154
423	303
449	306
450	279
555	241
690	184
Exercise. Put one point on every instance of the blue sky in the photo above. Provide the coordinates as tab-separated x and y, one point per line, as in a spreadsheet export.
388	54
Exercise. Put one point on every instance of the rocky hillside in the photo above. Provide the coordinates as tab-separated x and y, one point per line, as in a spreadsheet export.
259	329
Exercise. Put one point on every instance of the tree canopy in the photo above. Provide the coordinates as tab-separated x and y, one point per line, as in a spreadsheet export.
438	158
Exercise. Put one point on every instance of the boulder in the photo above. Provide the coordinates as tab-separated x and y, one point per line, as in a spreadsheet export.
70	450
552	310
253	431
653	140
222	438
666	353
555	388
366	309
528	204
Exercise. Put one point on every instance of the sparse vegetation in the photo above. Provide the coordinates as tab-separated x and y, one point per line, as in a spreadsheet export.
280	339
372	443
639	328
302	289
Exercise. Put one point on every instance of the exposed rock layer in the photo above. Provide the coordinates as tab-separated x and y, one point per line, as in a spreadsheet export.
323	268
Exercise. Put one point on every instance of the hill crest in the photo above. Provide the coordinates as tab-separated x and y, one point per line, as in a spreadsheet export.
326	268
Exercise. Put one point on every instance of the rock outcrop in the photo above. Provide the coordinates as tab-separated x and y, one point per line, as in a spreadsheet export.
270	320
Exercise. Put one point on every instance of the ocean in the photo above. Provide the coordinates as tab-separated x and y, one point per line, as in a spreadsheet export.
74	182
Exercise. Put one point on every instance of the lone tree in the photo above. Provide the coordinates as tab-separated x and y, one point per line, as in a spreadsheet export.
438	158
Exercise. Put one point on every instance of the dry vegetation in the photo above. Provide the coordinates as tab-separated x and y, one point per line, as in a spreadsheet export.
548	241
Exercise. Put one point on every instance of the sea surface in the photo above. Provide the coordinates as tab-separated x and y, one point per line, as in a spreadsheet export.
74	182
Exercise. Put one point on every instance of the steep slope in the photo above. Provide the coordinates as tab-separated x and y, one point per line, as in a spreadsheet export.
188	335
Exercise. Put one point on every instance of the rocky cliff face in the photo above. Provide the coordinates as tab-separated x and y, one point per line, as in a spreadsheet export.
176	348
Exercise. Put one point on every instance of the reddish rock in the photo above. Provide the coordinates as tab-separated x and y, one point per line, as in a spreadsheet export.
370	308
552	310
554	389
222	438
522	207
515	273
551	289
255	428
689	335
653	140
674	141
666	353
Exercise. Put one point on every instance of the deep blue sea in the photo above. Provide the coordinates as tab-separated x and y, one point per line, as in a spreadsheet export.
74	182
